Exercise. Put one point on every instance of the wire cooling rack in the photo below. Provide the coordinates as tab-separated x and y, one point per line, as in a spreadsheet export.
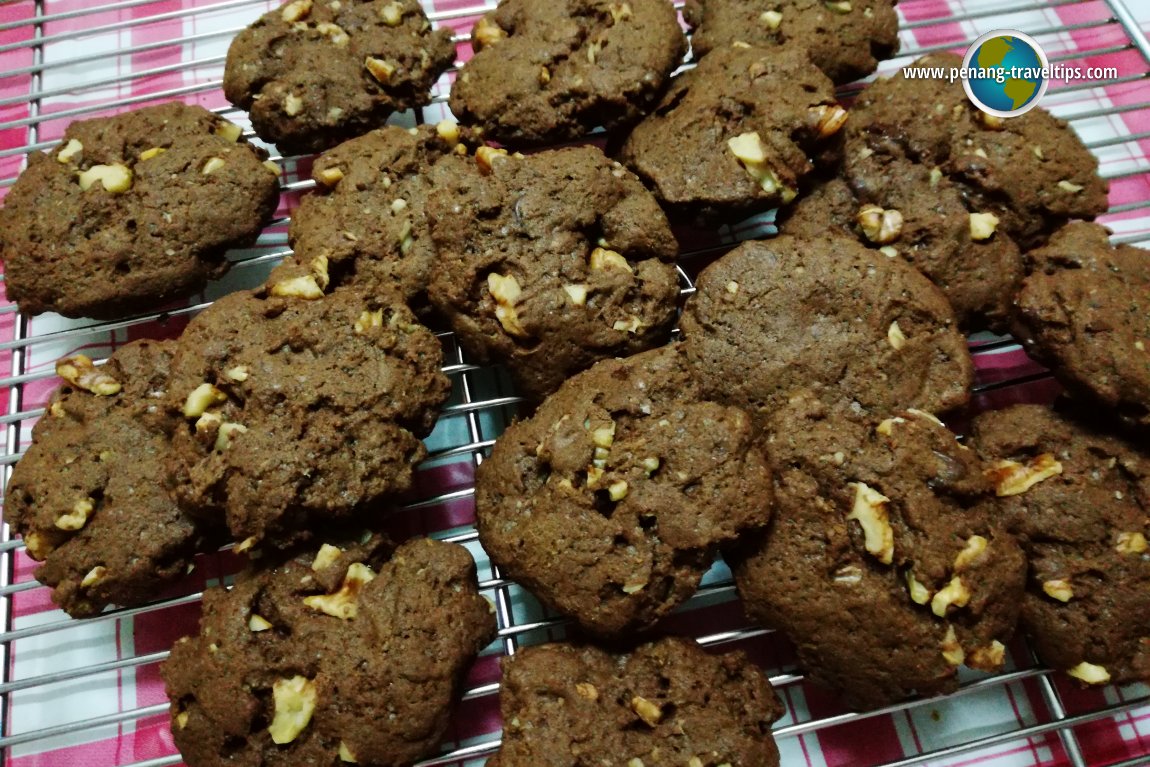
88	692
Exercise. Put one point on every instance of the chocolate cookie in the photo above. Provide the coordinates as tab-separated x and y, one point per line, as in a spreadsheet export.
1032	172
662	703
1080	503
1084	310
550	262
609	503
313	73
771	318
88	496
299	407
903	209
132	211
736	133
367	216
332	657
551	70
846	40
886	562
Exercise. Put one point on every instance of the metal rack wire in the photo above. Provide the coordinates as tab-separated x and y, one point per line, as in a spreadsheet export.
175	50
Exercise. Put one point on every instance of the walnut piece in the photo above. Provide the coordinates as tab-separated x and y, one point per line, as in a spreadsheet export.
343	603
292	105
115	178
294	700
258	623
485	158
577	293
295	10
79	371
879	225
951	649
1131	543
202	397
771	19
327	556
1014	478
1058	588
212	165
506	292
94	576
919	594
603	259
826	119
228	130
379	69
982	226
392	14
78	517
751	152
149	154
329	177
486	33
972	554
953	594
988	658
895	337
649	712
1090	673
69	151
869	509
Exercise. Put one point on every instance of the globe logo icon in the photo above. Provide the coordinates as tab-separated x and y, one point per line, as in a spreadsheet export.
1008	73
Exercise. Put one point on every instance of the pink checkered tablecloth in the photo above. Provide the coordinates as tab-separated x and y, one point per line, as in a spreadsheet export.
88	693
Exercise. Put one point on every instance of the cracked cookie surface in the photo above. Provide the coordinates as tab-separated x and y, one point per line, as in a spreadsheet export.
551	70
1084	309
338	655
295	411
89	496
886	563
737	133
313	73
846	38
1079	501
609	502
367	217
131	211
771	318
667	702
1032	171
550	262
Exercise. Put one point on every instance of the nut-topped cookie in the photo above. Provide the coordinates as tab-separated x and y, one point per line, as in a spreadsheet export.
552	70
667	702
886	563
906	210
299	407
771	318
367	216
609	503
1079	500
1084	309
339	655
846	38
1031	172
131	211
313	73
89	496
550	262
737	133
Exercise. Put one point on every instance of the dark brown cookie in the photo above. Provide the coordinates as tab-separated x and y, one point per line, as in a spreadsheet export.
1080	503
736	133
1032	172
609	503
313	73
1084	310
333	657
663	703
550	262
367	215
296	410
886	562
907	210
89	497
846	39
132	211
771	318
552	70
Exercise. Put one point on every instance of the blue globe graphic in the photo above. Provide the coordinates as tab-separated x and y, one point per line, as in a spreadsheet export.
1003	53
